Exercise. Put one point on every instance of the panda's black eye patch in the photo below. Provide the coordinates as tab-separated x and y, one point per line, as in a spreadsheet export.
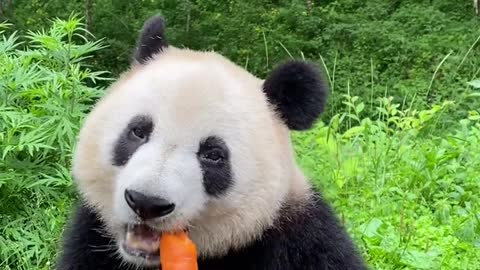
135	134
214	157
213	149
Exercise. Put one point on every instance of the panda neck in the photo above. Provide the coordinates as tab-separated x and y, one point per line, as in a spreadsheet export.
300	188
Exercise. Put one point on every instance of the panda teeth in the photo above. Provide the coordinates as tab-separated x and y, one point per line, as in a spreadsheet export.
141	239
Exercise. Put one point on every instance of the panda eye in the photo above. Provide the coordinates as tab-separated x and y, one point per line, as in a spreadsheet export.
214	155
213	151
138	133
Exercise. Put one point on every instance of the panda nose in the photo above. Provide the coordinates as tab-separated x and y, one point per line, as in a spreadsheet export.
148	207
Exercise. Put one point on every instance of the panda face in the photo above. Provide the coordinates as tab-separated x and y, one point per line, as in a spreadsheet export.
187	142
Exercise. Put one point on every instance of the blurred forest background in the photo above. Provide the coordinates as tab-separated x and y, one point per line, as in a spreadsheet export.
400	41
397	152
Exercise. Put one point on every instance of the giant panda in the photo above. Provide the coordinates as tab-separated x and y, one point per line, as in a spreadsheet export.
187	140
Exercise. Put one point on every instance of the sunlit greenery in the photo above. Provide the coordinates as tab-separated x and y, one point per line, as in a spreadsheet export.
43	97
411	199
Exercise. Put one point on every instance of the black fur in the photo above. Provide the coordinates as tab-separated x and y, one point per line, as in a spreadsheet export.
86	245
306	236
217	175
298	92
151	40
129	142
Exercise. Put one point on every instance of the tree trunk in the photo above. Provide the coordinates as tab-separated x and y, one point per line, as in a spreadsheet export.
476	5
4	5
189	10
89	15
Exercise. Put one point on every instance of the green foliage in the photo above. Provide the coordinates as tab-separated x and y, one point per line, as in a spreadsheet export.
371	45
410	198
43	97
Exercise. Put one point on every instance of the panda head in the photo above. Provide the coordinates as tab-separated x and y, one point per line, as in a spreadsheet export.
187	140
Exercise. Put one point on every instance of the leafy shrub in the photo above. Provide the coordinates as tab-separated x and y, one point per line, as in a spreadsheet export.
394	45
44	94
410	198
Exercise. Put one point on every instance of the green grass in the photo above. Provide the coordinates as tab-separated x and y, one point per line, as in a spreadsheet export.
404	179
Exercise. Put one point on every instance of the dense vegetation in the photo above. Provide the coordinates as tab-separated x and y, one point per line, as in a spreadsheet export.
397	153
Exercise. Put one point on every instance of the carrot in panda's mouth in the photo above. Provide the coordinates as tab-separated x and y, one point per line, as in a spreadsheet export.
177	252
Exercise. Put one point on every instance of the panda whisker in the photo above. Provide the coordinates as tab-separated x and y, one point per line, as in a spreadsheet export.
189	226
103	246
102	249
110	246
115	254
123	263
104	233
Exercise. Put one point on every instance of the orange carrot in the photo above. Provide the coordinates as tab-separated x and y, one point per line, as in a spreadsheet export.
177	252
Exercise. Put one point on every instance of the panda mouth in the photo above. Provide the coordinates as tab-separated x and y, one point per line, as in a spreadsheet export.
142	240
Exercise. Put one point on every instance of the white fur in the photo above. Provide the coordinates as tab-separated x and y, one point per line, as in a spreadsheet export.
190	96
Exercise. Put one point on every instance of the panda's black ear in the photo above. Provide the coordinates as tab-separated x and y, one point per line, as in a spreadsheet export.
151	40
298	92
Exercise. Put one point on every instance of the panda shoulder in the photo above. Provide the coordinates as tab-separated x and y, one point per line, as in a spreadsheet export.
86	244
